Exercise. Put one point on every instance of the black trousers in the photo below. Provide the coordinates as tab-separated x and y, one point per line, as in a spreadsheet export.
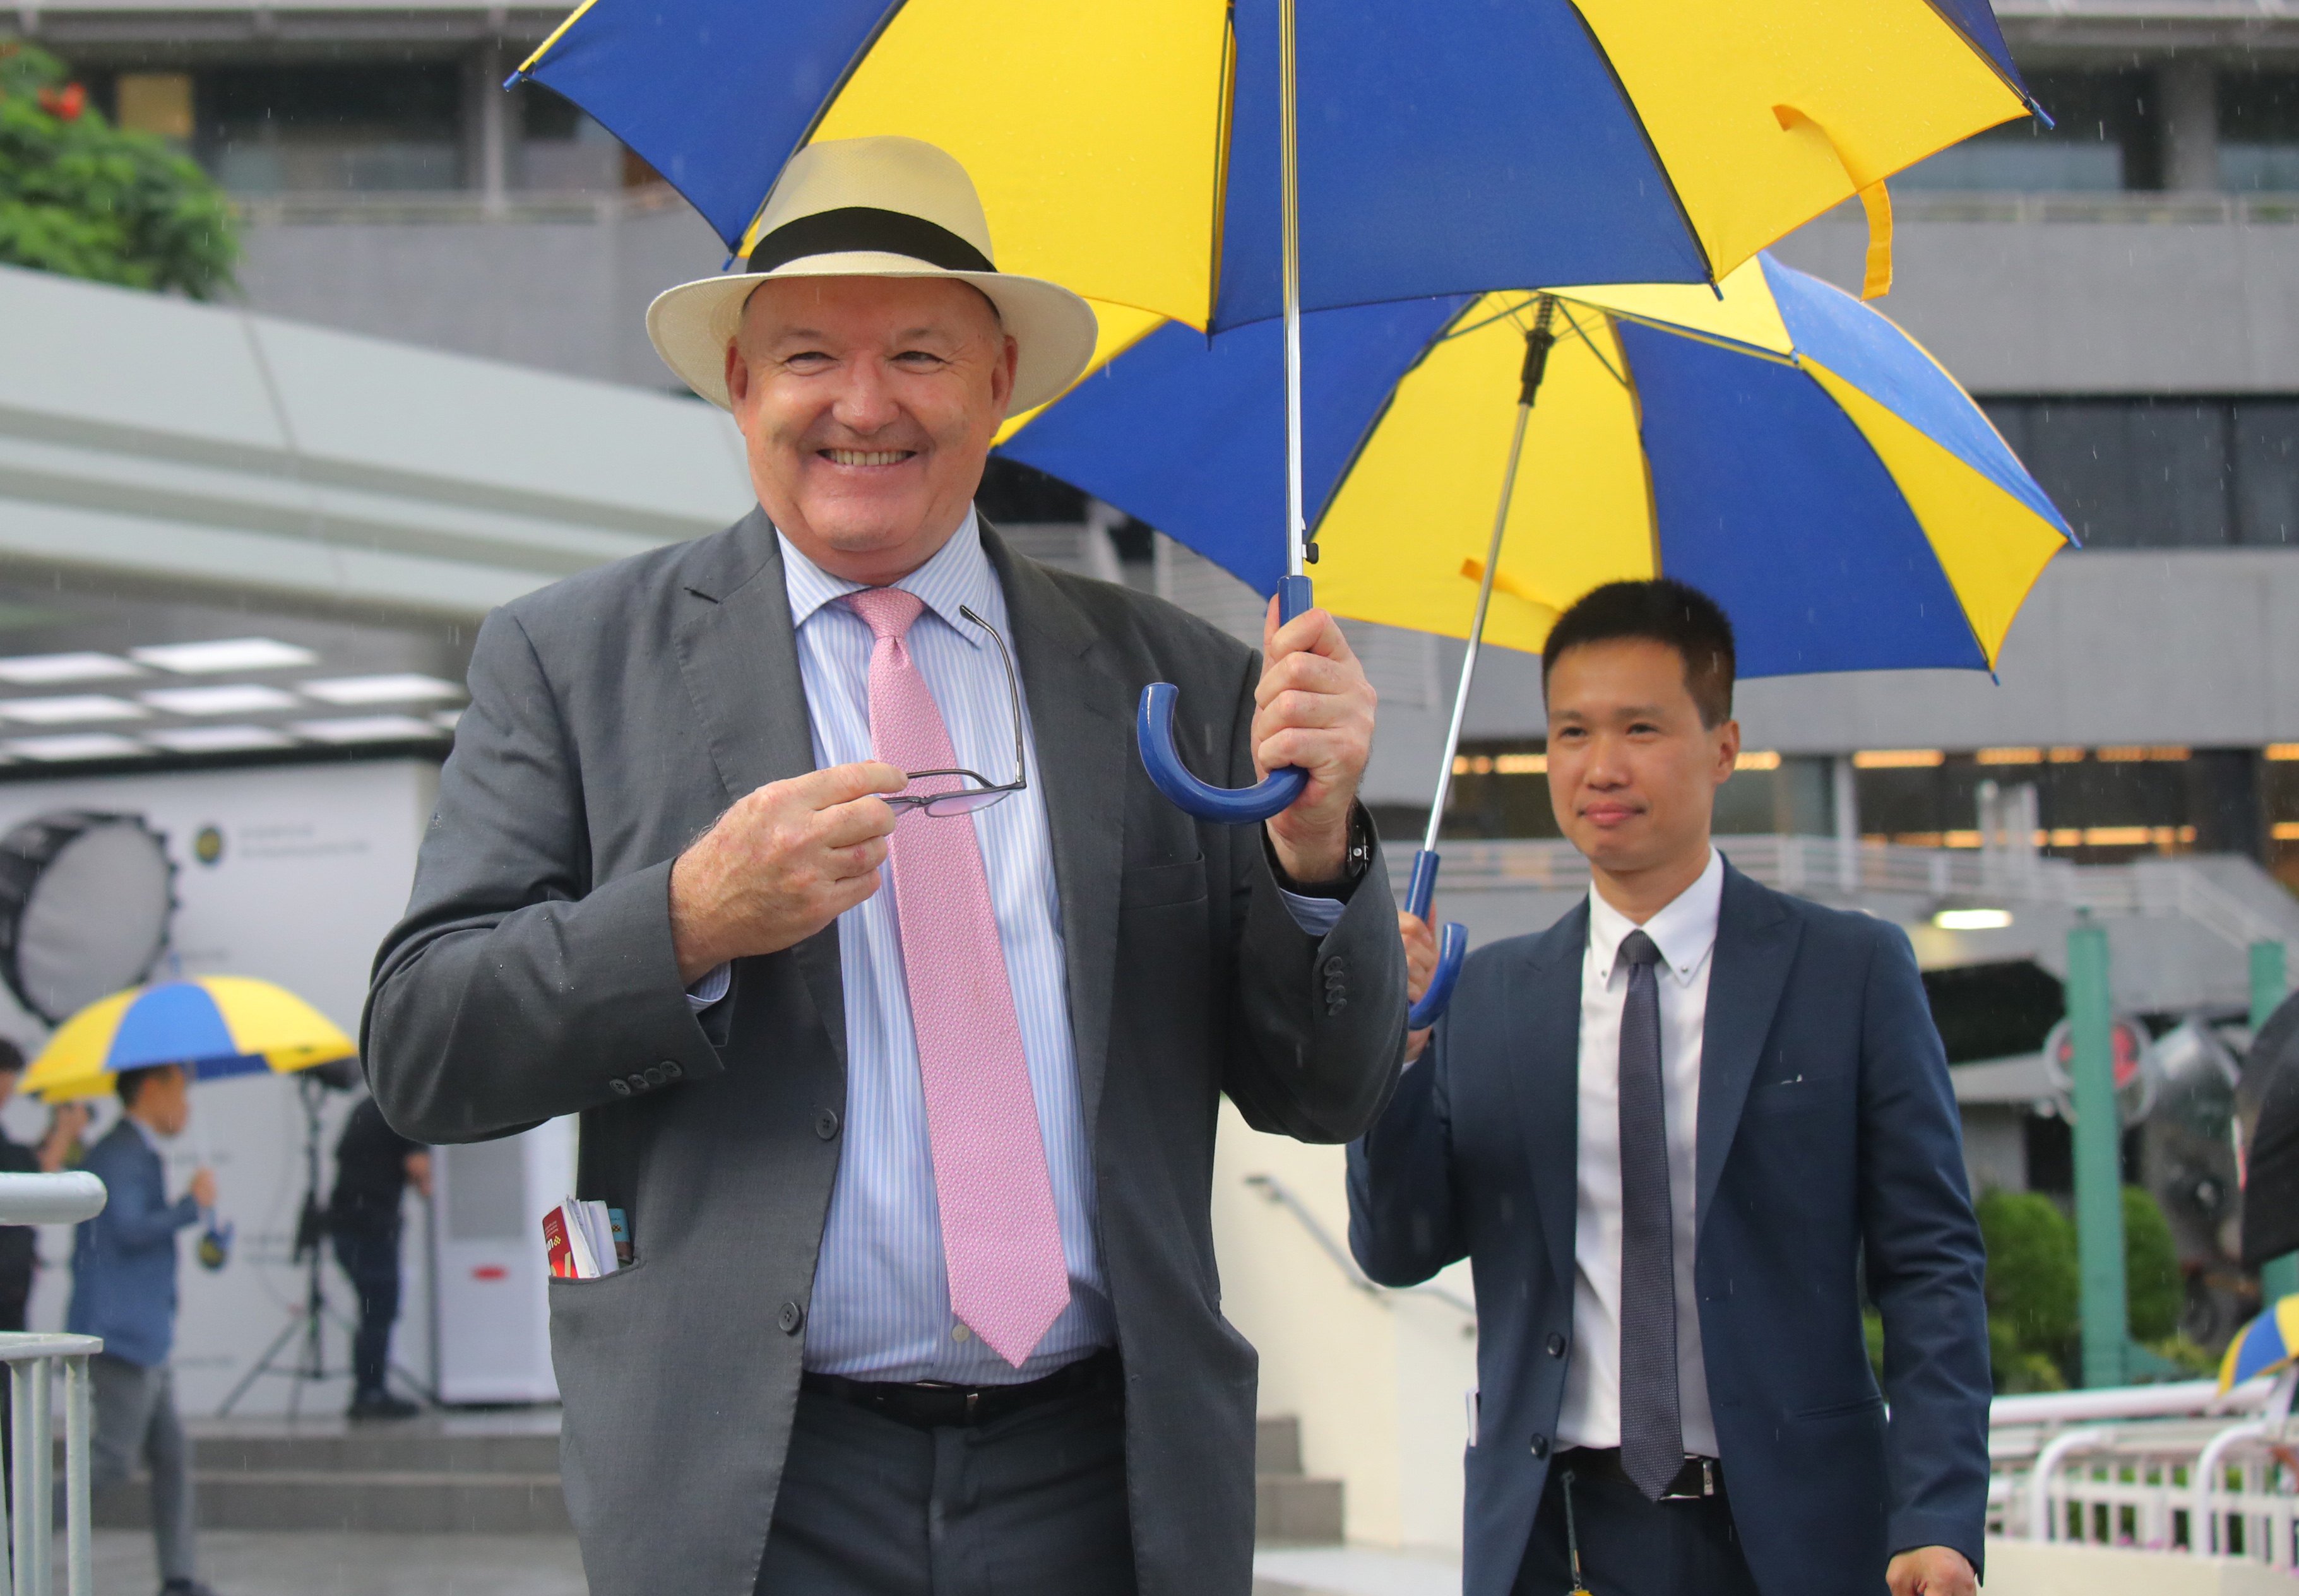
1033	1504
370	1255
1631	1547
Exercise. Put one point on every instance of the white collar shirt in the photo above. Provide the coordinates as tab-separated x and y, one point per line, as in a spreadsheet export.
1685	932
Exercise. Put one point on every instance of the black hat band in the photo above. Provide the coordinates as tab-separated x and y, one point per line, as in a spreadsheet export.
853	228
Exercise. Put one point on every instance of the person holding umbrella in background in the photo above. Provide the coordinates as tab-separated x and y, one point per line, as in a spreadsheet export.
124	1290
374	1166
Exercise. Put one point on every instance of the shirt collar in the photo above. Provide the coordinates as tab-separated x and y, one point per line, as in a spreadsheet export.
151	1136
958	574
1684	931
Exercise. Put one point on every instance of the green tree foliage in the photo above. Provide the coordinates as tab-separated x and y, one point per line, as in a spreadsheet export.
2034	1288
83	198
2151	1267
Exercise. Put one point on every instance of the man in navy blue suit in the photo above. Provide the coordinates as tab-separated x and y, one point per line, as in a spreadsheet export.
1668	1133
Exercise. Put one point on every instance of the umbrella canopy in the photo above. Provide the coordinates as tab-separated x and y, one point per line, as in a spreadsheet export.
1129	150
2265	1345
1782	446
214	1025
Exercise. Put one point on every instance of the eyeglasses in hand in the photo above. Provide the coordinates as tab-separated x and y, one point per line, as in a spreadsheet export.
972	791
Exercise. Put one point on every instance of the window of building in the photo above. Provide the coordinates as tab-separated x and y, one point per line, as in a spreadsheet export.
329	127
2105	136
2162	472
2259	131
561	149
2093	805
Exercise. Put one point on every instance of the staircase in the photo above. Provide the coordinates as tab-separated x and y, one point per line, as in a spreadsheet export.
485	1474
1289	1507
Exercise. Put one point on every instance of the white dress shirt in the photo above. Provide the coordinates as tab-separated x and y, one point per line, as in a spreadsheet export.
881	1305
1685	932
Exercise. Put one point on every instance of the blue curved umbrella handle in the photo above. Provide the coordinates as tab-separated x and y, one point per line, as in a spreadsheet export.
1452	943
1153	730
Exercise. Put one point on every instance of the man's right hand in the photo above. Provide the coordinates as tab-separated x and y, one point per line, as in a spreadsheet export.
785	862
202	1189
1420	967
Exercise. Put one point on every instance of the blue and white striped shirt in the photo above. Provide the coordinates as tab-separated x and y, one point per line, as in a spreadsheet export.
881	1308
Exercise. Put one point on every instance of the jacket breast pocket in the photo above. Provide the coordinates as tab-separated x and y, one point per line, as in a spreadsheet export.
1156	885
1789	1094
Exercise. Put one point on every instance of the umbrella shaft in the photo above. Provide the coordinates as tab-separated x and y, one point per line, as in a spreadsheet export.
1477	623
1289	140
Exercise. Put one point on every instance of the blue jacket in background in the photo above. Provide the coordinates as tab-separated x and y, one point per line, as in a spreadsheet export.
124	1259
1827	1139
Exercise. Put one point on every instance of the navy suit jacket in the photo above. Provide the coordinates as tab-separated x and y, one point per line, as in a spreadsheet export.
1828	1131
124	1259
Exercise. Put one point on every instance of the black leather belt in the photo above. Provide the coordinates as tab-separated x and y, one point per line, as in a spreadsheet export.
1699	1477
933	1404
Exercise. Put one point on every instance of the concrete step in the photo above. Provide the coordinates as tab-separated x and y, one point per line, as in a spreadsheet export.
376	1448
429	1504
1297	1510
1288	1505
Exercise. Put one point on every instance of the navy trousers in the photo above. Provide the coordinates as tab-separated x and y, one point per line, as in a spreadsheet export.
1631	1547
370	1255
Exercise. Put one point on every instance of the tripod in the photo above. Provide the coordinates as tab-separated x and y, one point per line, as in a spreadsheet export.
307	1323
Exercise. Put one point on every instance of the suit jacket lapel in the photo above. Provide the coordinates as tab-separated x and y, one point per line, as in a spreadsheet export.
1080	722
1544	1069
739	655
1755	946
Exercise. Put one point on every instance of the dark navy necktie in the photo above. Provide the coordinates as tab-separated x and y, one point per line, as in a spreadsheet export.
1652	1432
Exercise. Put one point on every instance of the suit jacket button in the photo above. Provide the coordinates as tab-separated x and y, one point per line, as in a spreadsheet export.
1540	1446
1337	1006
619	1087
1336	966
790	1318
638	1082
1556	1344
670	1070
826	1123
654	1075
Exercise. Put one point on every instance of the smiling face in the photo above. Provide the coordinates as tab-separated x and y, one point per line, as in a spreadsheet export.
1632	772
867	406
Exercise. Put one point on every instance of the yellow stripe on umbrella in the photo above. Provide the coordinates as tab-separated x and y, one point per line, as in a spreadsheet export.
214	1026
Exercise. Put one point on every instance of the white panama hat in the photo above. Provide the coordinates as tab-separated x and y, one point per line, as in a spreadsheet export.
875	208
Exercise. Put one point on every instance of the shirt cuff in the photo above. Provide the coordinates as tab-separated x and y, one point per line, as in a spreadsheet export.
712	988
1315	915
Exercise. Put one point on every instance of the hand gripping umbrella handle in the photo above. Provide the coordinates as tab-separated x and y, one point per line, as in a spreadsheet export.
1452	943
1153	730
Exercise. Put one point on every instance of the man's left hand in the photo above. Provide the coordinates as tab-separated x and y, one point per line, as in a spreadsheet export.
1931	1571
1313	711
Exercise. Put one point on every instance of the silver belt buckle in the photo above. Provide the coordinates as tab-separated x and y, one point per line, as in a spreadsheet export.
1707	1481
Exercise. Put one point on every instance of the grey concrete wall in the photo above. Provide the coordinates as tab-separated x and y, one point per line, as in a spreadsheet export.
568	296
2081	307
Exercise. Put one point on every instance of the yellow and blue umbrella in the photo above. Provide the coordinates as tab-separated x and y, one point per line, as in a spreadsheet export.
1131	149
1775	443
2267	1344
1209	162
215	1025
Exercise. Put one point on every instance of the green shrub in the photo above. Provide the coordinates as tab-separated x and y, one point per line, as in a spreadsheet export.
2151	1268
81	197
2033	1287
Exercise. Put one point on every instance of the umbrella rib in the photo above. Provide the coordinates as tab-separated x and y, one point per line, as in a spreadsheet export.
1581	333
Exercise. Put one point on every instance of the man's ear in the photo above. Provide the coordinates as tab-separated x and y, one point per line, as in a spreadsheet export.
1728	749
738	373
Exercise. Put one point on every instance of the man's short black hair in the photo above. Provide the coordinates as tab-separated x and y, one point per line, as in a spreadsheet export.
131	1083
11	1057
1663	611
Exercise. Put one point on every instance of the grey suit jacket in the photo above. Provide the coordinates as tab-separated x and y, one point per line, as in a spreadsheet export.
613	716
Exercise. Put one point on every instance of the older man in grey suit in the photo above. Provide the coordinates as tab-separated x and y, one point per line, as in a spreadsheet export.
896	1003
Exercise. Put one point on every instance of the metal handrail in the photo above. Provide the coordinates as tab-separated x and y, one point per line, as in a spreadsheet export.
27	1568
1286	1198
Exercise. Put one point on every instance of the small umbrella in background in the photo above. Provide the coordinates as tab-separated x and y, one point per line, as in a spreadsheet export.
215	1027
1209	162
2266	1345
1774	442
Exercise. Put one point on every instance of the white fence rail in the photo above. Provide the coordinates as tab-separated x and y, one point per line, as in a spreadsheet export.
33	1361
2171	1467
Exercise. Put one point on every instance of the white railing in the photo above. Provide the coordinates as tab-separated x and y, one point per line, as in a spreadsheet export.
1829	866
1285	1197
2163	1467
33	1359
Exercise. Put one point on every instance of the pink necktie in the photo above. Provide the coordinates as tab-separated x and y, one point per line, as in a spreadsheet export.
1003	1243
